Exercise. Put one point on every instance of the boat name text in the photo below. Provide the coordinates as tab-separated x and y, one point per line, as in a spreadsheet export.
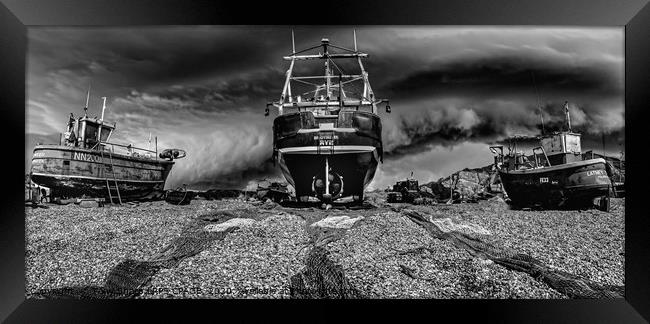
325	140
595	172
85	157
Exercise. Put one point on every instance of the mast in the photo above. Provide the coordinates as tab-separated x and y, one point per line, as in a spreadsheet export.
87	99
103	108
366	99
287	84
328	82
293	42
566	112
101	122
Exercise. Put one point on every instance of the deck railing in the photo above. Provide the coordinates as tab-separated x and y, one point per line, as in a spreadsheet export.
130	149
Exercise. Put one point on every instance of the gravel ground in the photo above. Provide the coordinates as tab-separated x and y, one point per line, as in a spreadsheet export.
590	244
73	246
255	261
372	258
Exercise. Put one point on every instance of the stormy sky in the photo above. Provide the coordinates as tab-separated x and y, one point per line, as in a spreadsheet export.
453	91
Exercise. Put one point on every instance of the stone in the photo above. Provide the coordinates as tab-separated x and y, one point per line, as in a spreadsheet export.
342	222
233	222
87	203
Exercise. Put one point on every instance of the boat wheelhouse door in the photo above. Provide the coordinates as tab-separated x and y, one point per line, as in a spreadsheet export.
538	162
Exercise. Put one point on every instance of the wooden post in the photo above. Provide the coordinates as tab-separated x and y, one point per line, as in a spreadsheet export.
156	140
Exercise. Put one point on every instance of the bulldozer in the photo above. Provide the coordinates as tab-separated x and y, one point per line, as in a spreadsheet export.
406	191
275	191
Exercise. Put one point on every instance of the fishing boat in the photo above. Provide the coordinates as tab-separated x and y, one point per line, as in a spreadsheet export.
85	164
327	139
555	175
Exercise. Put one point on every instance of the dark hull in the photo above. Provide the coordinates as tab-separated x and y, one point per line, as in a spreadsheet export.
74	172
348	143
571	184
356	170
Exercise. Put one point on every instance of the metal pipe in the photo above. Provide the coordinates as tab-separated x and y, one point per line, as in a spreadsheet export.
358	76
99	132
321	56
568	117
327	176
103	107
83	134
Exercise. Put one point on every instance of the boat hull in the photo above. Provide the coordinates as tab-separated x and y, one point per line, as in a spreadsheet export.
75	172
348	144
356	171
570	184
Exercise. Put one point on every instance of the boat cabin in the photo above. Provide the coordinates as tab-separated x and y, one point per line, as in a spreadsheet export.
515	159
334	101
562	147
86	132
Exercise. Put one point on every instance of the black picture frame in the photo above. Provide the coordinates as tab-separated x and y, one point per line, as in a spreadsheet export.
16	16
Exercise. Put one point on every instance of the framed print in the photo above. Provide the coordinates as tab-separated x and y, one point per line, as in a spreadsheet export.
441	157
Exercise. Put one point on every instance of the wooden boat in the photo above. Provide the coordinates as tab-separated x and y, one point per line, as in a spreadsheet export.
556	176
327	140
85	163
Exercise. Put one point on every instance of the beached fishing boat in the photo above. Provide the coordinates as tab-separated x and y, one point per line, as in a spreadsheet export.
85	163
555	175
327	139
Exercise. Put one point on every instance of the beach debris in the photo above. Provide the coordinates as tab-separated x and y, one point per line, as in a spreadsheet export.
180	196
90	202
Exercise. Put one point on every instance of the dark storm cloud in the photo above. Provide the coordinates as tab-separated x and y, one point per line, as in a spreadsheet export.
204	88
152	54
450	122
508	75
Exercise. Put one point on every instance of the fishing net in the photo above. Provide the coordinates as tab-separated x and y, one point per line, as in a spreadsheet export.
564	282
321	279
127	279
